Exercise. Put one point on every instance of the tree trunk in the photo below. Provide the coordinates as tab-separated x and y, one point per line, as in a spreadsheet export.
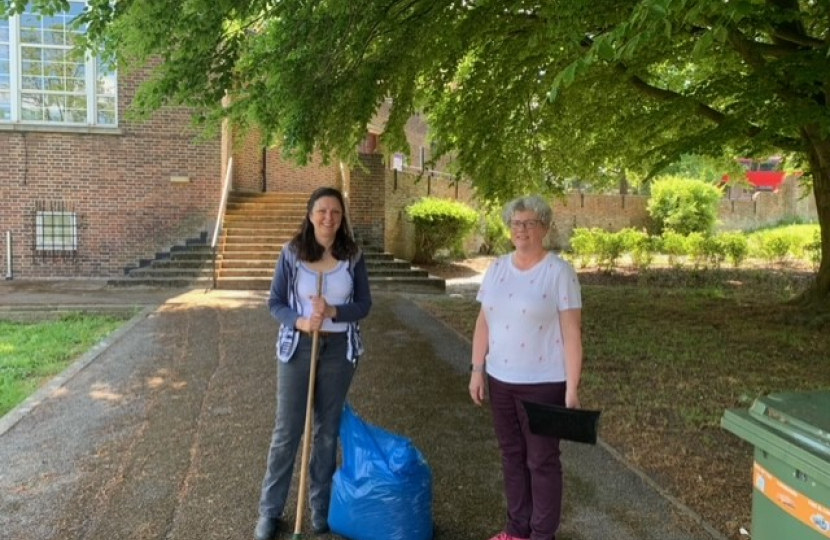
819	158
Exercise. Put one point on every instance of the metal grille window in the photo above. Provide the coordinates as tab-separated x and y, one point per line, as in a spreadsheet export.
56	230
43	80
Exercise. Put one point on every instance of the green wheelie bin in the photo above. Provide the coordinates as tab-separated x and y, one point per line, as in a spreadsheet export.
791	472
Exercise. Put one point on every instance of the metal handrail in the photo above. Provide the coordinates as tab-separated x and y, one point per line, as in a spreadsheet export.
408	169
220	216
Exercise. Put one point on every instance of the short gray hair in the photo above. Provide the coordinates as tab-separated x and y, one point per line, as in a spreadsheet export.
533	203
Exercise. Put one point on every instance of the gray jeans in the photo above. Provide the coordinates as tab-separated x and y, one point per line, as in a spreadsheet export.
334	376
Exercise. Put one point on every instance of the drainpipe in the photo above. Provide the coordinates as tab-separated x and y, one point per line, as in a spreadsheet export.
8	255
264	171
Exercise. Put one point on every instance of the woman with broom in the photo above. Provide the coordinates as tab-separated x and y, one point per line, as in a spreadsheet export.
319	292
527	346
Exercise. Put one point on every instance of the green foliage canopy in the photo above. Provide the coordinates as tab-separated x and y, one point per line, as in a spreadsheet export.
527	95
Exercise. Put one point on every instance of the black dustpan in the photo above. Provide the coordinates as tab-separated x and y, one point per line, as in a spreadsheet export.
579	425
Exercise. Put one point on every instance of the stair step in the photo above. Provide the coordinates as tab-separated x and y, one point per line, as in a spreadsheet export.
256	218
250	256
407	284
255	229
422	285
200	247
236	264
271	195
188	256
182	264
387	264
259	273
150	272
272	248
160	282
257	235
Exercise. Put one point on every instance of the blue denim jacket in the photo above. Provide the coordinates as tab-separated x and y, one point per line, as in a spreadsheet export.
285	307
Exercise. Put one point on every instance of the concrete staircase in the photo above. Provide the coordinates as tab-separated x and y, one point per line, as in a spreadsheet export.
256	226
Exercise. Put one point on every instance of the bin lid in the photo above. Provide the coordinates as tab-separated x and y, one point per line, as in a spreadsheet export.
804	416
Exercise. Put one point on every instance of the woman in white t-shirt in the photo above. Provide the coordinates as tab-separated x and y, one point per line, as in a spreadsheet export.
527	346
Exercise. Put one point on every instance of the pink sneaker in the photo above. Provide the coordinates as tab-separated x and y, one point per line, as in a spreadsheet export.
504	536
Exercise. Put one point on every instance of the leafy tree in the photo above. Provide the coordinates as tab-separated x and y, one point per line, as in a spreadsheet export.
527	94
707	168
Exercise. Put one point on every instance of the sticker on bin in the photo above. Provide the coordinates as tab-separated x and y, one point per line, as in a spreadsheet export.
804	509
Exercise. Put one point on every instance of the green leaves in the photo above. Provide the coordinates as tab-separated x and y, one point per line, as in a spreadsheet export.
523	97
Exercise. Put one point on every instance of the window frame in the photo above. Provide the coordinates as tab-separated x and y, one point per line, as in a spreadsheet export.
94	77
60	242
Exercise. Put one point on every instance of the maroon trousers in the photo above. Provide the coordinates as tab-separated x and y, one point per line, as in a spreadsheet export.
530	463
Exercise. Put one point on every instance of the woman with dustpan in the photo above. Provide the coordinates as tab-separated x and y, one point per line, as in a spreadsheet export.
319	293
527	347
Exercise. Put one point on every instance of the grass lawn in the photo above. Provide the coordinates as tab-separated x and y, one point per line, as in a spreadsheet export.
33	352
668	351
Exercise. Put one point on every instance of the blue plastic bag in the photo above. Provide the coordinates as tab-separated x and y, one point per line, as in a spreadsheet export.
383	489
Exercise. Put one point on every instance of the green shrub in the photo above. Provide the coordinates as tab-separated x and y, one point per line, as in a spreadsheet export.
439	224
683	205
714	251
673	244
611	247
772	247
770	244
495	234
735	246
584	245
643	255
696	248
812	250
641	246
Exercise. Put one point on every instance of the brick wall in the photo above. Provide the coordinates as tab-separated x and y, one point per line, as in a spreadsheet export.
575	210
367	199
765	207
281	175
401	190
118	183
609	212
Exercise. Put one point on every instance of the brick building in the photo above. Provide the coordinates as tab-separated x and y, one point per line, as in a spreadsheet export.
85	192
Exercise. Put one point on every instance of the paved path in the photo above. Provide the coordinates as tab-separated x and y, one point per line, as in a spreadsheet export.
162	431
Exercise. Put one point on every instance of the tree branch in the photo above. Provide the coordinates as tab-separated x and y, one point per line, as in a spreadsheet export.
792	31
668	95
798	38
701	109
753	52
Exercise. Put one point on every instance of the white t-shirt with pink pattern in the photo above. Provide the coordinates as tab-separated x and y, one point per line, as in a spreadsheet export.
522	312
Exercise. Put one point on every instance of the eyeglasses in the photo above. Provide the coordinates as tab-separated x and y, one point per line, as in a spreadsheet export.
526	224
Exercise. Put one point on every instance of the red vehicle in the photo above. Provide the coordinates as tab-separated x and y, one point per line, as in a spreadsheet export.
764	175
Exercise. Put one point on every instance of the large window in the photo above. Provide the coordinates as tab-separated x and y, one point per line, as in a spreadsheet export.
43	80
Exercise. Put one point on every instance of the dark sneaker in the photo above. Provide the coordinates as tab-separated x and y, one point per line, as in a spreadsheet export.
266	528
319	525
504	536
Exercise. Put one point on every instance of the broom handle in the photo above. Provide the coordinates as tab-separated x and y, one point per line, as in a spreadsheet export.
309	410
